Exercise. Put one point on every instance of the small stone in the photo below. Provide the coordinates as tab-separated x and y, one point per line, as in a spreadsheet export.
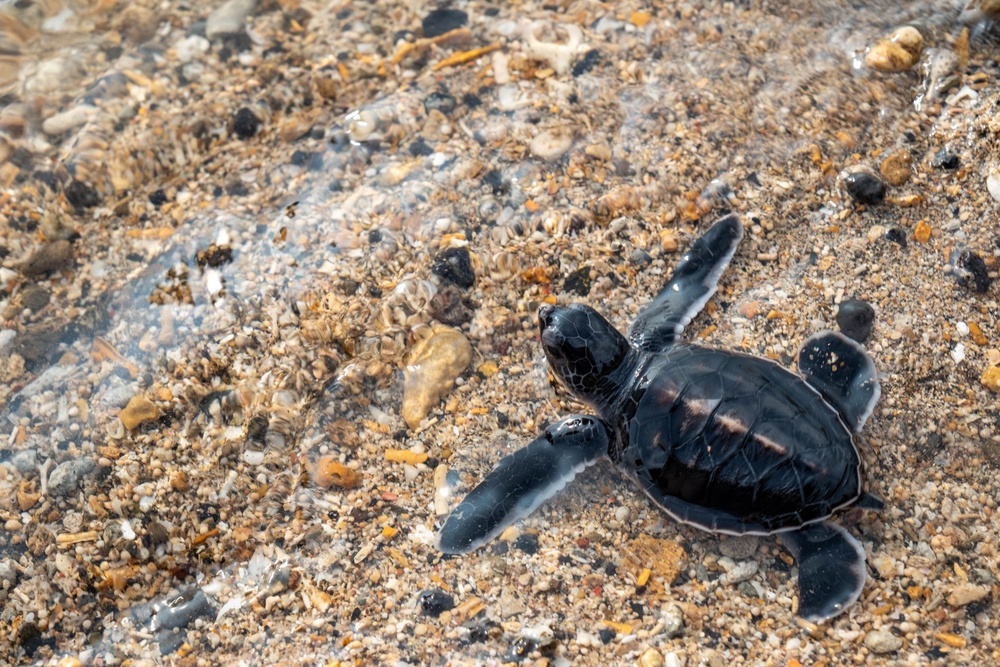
138	410
435	602
527	542
66	476
329	472
455	265
440	21
69	119
882	641
971	271
993	183
433	366
885	565
245	123
855	317
50	258
945	159
964	594
137	24
640	258
922	232
229	19
35	297
898	52
81	195
991	378
651	658
440	101
896	235
739	547
864	186
551	144
896	169
326	87
673	620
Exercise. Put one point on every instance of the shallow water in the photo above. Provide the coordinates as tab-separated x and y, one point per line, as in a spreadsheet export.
261	294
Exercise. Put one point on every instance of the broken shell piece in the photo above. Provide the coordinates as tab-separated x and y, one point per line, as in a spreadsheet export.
558	55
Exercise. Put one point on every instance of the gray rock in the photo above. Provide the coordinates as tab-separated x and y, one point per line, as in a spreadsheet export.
26	461
739	547
230	18
67	475
882	641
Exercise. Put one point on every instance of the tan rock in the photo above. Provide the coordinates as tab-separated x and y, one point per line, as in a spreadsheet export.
138	410
896	169
433	366
991	378
898	52
964	594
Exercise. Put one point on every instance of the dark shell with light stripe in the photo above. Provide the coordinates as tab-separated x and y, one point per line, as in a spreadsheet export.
735	444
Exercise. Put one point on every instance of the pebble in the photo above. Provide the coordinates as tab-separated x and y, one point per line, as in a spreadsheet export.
737	572
551	144
435	602
896	53
69	119
66	476
138	410
82	195
651	658
441	21
991	378
940	70
739	547
434	365
882	641
971	271
455	265
191	47
964	594
945	159
673	620
855	318
863	186
35	297
896	168
50	258
922	232
245	123
993	183
229	19
440	101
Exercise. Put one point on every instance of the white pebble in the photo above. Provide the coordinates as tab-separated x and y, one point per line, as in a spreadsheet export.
993	183
963	329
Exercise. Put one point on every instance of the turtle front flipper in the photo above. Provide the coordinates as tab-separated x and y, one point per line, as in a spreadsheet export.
692	284
522	481
831	569
840	369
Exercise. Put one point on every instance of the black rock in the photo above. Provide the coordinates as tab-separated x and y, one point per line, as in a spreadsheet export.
245	123
527	542
589	61
158	198
971	271
441	101
606	635
455	265
81	195
945	159
419	148
471	100
579	281
864	188
434	602
440	21
640	257
896	235
855	318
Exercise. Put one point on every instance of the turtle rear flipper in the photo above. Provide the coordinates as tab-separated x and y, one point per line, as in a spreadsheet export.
840	369
522	481
831	569
694	281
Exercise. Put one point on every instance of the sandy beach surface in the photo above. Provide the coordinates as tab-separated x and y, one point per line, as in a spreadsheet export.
269	276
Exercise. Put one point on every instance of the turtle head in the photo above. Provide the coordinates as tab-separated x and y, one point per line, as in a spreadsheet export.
584	349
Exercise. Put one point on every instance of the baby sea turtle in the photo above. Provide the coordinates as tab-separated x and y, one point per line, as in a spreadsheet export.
719	440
